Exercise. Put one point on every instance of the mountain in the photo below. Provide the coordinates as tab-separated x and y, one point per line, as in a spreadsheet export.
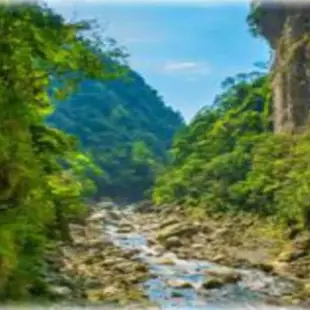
126	127
213	155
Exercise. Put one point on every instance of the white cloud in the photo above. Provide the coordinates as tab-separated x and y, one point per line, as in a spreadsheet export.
191	68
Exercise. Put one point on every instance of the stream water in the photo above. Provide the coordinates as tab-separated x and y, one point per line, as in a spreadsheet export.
246	294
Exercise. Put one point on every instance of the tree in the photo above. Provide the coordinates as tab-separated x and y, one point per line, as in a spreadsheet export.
38	164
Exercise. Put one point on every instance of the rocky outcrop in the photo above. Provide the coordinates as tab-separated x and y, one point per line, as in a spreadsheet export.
285	25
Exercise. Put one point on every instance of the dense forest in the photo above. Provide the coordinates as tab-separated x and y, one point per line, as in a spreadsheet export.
42	177
126	128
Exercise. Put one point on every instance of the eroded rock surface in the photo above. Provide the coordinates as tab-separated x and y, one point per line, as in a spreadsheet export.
286	25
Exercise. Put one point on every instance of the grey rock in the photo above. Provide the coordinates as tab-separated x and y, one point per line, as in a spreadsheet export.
173	241
59	291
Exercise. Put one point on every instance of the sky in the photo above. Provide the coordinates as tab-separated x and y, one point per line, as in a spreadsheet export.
182	49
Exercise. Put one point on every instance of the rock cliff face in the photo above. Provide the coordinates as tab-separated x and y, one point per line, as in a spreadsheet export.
286	26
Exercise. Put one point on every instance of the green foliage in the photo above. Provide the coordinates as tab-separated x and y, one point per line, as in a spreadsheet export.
254	17
42	175
212	154
126	128
278	183
229	160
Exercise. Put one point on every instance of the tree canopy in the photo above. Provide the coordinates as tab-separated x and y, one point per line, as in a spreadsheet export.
41	177
228	159
126	127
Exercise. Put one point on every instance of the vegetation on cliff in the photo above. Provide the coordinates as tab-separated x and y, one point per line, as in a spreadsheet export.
38	196
229	160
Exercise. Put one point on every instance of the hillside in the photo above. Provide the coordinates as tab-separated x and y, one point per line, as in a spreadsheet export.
213	154
126	127
229	160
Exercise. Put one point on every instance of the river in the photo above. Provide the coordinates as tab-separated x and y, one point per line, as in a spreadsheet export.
179	285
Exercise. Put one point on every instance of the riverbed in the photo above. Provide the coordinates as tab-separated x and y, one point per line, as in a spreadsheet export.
178	283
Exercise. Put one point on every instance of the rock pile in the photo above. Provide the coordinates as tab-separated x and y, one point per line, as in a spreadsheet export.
92	268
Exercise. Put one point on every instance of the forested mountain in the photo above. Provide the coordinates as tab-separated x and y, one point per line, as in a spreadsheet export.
125	126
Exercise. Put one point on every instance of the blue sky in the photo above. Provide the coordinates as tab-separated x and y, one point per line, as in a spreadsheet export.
183	50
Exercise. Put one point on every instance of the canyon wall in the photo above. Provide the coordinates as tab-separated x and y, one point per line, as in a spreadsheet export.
286	26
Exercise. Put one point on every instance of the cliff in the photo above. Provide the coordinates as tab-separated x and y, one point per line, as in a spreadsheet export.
286	26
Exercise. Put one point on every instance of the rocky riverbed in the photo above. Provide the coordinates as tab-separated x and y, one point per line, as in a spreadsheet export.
93	269
237	243
160	257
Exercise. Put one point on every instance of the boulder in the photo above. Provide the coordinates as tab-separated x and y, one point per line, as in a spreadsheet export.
171	242
125	229
178	230
176	294
218	258
280	268
178	283
141	268
225	276
264	266
59	291
110	291
197	246
168	222
166	260
213	283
